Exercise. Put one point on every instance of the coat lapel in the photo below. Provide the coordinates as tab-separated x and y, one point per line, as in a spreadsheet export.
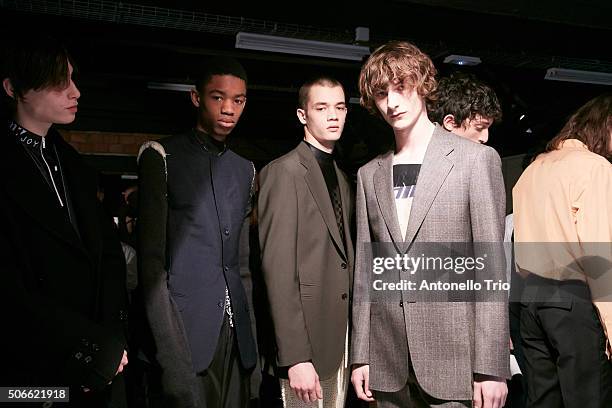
82	196
318	189
35	197
434	170
383	187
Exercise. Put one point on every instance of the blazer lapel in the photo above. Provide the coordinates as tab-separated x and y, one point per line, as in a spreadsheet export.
434	170
318	189
35	197
383	187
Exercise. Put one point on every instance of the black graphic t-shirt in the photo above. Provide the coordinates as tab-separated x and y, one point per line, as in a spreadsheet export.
404	184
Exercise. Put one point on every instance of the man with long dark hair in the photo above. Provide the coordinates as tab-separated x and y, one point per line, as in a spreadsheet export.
563	231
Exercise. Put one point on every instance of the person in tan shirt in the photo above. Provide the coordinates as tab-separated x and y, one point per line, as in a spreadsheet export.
563	243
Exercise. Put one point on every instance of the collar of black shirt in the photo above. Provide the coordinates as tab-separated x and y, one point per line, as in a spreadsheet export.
321	156
209	144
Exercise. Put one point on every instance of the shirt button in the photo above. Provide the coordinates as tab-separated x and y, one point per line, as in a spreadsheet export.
344	296
343	265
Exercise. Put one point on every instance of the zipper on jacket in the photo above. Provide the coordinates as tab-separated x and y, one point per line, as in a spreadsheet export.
42	146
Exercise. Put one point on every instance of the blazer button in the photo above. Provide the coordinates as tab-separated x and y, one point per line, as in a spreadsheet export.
226	268
401	304
226	231
343	265
344	296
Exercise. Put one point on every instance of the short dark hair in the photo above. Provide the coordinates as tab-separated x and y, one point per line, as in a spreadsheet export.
219	66
34	63
322	80
464	97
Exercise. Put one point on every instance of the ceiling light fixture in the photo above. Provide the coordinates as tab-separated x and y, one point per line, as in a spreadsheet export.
168	86
462	60
286	45
574	75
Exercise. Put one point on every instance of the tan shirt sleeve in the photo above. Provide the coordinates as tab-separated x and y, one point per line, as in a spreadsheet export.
594	227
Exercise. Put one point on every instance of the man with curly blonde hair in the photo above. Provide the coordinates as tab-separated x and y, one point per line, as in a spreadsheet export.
434	188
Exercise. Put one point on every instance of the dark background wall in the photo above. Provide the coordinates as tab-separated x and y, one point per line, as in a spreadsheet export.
120	47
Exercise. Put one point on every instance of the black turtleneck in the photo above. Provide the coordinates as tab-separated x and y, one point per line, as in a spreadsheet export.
209	143
326	163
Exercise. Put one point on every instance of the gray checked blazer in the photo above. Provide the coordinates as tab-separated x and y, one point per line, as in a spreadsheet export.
459	197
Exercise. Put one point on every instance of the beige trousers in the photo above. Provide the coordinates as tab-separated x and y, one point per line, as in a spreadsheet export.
334	388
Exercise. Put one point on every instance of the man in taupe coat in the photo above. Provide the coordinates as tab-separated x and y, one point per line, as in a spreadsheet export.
436	187
304	209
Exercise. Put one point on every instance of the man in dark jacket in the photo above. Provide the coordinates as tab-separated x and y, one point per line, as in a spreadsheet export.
194	196
63	274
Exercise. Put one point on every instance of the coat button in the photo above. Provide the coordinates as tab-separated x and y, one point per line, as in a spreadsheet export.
226	268
343	265
344	296
226	231
401	304
220	304
88	359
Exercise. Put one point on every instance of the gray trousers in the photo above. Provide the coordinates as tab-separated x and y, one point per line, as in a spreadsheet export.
413	396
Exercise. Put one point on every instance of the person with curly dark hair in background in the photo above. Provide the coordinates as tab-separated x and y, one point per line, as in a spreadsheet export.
465	106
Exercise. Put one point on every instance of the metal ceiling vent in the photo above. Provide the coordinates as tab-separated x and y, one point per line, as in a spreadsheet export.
152	16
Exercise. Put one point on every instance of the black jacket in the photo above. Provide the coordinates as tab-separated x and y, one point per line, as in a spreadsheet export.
63	292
